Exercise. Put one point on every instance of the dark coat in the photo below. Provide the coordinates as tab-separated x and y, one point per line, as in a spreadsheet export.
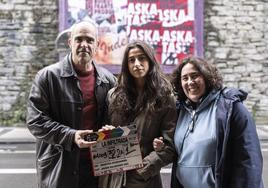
238	156
150	125
54	114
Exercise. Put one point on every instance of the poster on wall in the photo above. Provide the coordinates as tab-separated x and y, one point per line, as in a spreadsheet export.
172	27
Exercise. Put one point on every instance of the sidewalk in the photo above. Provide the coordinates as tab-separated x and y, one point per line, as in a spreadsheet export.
262	131
15	135
22	135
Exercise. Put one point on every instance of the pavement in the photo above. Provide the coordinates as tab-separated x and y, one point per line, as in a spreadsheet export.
23	135
15	135
262	131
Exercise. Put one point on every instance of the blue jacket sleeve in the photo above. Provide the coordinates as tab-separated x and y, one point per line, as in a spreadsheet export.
246	156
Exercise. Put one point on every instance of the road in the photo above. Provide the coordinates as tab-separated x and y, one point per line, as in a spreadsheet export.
17	166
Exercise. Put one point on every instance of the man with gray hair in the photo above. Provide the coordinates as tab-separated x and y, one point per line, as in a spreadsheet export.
67	102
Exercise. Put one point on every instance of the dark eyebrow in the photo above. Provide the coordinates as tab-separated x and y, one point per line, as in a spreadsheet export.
139	55
87	37
191	74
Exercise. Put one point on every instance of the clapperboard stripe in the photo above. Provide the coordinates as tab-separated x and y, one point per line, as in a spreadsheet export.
117	132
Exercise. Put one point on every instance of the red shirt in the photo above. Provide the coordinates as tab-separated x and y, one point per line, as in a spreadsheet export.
87	85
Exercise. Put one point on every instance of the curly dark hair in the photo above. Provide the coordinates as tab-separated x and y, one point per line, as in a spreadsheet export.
126	104
211	74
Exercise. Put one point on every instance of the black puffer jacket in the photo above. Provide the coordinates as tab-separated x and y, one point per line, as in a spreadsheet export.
54	113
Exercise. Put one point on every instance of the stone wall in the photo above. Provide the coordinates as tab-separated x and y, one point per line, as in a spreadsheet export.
236	34
235	39
28	29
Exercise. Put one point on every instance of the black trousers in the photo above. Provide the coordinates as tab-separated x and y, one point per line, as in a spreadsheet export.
86	177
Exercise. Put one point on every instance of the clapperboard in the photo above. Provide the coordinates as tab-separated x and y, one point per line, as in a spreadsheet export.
116	150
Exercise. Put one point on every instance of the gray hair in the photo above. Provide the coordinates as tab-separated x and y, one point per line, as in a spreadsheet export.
87	21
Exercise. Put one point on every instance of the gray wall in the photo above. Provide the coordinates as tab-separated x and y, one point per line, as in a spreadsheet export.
28	29
235	39
236	34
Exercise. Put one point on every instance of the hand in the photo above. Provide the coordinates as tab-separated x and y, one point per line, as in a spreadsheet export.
79	138
158	144
106	128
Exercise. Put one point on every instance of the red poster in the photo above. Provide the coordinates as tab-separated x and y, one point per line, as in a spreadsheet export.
167	25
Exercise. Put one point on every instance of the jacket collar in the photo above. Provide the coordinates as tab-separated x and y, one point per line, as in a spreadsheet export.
67	70
204	102
100	74
234	94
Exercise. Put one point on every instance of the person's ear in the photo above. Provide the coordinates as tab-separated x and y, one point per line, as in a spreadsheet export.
97	45
70	43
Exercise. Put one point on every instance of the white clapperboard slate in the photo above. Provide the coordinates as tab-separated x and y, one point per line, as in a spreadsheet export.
116	150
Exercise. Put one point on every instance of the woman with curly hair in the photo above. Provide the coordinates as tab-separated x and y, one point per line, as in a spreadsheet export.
143	96
215	137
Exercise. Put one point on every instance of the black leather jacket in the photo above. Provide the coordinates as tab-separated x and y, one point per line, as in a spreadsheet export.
54	114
